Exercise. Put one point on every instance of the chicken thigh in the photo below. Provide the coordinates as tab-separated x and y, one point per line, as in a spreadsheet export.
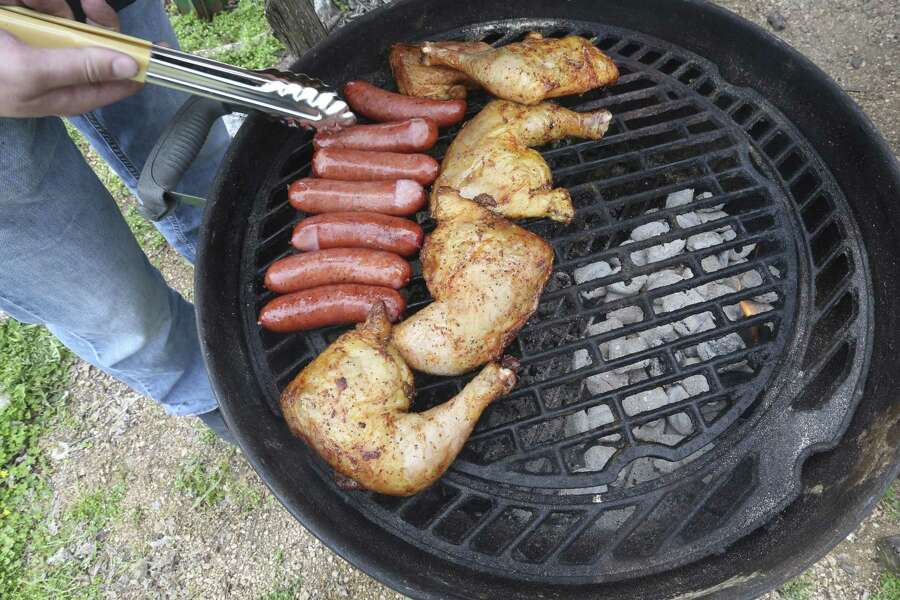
490	160
532	70
350	404
486	276
414	78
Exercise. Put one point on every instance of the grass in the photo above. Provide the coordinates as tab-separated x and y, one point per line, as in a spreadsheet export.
62	562
209	482
888	588
33	373
241	36
799	588
286	591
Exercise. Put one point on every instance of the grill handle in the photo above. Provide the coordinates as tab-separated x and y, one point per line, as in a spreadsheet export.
173	154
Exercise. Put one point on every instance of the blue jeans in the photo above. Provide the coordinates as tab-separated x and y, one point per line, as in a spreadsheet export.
67	257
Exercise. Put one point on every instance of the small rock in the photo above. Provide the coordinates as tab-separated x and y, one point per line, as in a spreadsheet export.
857	62
596	457
85	549
663	278
60	556
695	384
140	570
889	552
605	382
627	289
846	564
649	230
4	400
664	251
711	263
581	359
707	239
751	279
688	220
776	20
681	423
593	271
608	324
303	595
645	401
680	198
627	315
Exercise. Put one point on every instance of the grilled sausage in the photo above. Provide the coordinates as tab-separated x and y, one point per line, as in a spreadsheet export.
337	265
412	135
382	105
399	198
358	230
328	305
361	165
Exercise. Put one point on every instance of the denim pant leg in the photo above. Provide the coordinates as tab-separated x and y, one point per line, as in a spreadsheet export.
124	133
68	260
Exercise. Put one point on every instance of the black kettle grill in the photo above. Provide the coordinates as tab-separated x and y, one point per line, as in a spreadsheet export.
785	456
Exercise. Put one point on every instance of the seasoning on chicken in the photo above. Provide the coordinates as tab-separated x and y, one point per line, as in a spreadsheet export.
490	160
414	78
532	70
350	404
486	275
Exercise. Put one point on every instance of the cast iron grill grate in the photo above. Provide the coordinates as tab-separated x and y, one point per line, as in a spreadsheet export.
519	497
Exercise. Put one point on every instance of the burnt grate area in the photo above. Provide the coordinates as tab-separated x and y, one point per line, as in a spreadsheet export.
569	477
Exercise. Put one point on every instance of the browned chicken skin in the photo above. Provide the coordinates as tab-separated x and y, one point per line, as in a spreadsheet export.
532	70
490	160
486	275
350	404
414	78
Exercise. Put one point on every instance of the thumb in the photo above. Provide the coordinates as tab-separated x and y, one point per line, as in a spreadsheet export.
63	67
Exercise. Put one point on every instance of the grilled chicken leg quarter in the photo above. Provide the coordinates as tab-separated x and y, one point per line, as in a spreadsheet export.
529	71
486	275
350	404
490	160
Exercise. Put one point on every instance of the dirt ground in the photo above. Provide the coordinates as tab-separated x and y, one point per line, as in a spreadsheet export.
170	543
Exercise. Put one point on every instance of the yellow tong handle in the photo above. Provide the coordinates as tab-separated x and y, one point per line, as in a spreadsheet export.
44	31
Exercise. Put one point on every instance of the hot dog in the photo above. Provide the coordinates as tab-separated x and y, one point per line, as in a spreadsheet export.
328	305
412	135
382	105
400	198
358	230
361	165
337	265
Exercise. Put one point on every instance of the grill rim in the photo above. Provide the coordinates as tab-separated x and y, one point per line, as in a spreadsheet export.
319	526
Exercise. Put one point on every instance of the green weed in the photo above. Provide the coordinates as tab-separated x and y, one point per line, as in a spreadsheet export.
203	482
888	588
33	372
286	591
246	27
799	588
891	502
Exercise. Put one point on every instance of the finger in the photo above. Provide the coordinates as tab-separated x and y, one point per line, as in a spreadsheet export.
57	8
79	99
100	13
63	67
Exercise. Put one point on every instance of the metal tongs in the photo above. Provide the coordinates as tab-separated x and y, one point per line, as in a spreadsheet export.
292	97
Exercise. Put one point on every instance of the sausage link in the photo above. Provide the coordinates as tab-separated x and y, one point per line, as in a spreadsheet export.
337	265
358	230
328	305
382	105
412	135
399	198
361	165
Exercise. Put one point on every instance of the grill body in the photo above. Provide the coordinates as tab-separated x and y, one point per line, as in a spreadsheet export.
782	459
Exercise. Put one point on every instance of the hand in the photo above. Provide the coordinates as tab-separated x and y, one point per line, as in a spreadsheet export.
39	82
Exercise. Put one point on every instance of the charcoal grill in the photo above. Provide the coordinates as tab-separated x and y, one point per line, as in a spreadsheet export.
785	455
